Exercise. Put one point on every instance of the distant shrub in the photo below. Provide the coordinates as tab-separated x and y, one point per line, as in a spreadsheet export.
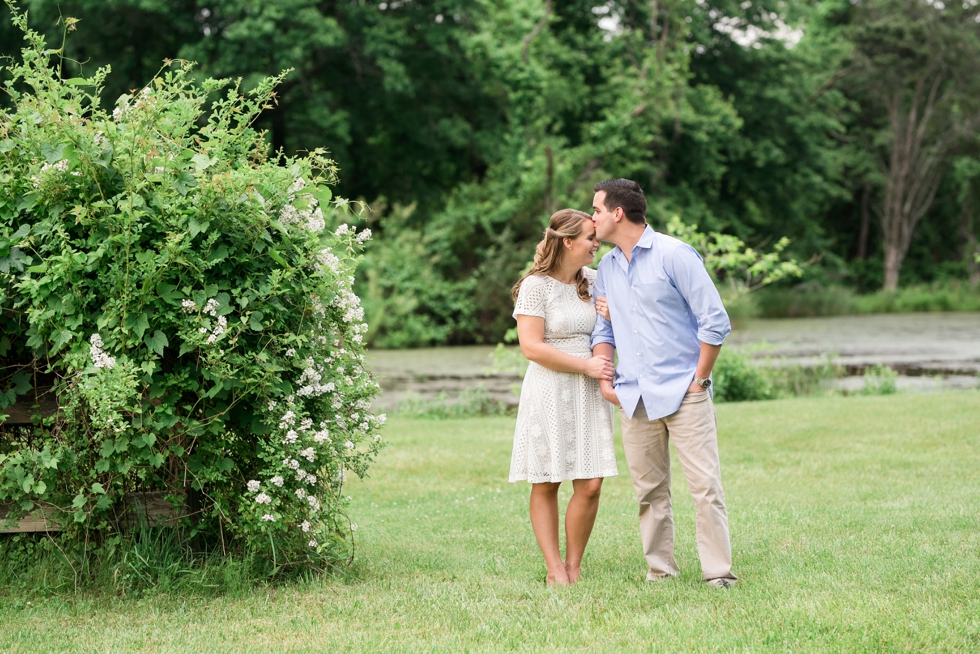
471	402
879	380
817	301
737	379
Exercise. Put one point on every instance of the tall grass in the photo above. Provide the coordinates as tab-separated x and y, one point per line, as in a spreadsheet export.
145	559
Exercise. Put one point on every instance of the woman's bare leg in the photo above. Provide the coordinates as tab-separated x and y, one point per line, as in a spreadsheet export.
579	519
544	521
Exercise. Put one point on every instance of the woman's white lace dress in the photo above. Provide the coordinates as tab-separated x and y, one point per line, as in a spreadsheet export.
564	425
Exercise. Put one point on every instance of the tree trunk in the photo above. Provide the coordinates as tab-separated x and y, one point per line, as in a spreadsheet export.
893	264
914	170
865	222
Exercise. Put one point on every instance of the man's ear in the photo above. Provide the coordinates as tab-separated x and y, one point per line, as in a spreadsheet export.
618	214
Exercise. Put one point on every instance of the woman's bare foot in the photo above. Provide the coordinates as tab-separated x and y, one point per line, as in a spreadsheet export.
557	577
574	573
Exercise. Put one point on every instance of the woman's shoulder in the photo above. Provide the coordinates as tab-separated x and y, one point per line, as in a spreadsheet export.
536	282
590	274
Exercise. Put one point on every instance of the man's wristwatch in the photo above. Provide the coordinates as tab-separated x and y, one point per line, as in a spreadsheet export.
703	383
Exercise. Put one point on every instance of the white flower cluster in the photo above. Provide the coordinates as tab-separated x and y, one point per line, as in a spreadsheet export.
188	306
143	98
345	229
347	301
328	259
262	498
60	167
99	357
310	380
211	307
311	218
253	486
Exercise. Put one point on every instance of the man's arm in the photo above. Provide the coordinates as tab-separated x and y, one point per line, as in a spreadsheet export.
606	385
706	363
686	269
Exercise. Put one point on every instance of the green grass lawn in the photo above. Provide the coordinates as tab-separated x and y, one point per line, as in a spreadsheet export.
854	526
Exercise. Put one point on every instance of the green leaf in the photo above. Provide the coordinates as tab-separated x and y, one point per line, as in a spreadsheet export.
156	460
277	258
40	487
21	232
185	348
255	321
197	227
138	323
80	516
202	161
184	182
98	488
62	336
53	153
169	293
28	483
157	342
226	465
323	194
79	81
218	254
27	202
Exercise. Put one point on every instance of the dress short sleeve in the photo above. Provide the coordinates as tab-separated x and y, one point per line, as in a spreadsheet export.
531	297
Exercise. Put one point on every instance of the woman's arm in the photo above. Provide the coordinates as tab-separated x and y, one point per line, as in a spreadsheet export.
530	333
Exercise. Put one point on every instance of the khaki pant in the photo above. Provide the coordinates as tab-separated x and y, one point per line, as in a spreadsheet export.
694	430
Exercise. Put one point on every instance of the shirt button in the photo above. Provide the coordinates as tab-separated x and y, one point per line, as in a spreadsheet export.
637	354
634	308
634	331
641	376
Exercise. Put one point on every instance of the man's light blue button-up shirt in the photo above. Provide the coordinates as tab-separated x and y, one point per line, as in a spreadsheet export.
663	305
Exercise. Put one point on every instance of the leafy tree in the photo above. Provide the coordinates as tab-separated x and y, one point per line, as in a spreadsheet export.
913	64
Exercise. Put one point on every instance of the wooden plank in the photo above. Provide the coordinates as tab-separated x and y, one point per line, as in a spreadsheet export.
37	520
150	507
20	412
158	512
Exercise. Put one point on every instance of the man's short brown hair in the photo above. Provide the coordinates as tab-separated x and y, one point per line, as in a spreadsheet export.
628	195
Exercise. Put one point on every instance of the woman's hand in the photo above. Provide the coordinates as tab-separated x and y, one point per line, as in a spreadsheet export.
602	307
600	367
609	393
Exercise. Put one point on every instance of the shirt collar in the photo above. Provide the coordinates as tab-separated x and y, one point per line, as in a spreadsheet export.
646	242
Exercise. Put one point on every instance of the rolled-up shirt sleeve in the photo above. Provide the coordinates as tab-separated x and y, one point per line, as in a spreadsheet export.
602	332
686	268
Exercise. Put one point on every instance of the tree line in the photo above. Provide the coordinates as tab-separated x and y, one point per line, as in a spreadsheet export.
848	127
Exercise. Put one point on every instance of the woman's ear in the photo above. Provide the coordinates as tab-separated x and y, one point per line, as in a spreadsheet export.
568	242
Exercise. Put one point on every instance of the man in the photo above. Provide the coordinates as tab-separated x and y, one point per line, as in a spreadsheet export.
668	324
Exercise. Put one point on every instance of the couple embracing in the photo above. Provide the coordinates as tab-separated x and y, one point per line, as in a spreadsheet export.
656	304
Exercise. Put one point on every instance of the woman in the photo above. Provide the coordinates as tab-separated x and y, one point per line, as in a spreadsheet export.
564	426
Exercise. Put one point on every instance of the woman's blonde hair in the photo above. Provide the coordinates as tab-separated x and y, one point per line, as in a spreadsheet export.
565	223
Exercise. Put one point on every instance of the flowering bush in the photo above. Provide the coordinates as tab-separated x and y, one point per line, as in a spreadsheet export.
190	301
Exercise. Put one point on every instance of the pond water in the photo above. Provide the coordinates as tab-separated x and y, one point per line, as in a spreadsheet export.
929	350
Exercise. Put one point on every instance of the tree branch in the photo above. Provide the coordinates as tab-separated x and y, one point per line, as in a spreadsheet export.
537	29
